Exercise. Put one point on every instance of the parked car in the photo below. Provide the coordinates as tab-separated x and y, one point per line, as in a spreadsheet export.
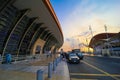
73	58
80	55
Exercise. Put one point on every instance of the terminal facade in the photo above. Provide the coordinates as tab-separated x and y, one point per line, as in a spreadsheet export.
28	27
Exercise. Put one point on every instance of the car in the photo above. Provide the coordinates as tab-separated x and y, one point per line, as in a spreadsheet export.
73	58
80	55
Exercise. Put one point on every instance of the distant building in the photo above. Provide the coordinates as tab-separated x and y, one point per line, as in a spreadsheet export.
107	44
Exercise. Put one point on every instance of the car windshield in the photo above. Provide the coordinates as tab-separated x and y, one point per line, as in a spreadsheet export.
72	54
79	53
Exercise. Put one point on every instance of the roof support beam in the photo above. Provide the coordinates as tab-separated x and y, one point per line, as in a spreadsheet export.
6	43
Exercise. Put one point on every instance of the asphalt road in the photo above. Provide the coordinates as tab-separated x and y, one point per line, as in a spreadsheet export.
95	68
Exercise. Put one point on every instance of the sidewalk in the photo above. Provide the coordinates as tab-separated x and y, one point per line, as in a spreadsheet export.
61	73
27	70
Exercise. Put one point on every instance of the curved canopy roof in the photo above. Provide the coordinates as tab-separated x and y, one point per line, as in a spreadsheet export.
44	11
100	37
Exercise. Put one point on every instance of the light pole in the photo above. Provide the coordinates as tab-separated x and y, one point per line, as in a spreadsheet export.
87	44
91	33
91	30
107	49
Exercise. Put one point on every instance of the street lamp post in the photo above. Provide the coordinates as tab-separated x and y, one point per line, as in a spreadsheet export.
91	30
106	40
91	33
87	44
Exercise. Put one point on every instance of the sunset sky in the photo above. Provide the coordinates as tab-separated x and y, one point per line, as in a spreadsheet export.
75	17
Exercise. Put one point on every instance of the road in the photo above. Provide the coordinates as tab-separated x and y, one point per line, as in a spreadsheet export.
95	68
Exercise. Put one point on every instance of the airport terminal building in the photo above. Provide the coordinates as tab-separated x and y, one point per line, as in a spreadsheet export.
28	27
107	44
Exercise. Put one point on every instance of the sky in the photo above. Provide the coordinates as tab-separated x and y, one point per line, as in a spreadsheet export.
79	17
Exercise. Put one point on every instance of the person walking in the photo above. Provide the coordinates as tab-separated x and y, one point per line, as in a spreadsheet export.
62	54
50	54
47	54
0	58
8	58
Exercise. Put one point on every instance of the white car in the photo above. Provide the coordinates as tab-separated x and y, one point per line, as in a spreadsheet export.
73	58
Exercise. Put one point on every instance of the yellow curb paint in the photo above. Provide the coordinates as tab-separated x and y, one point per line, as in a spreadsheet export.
106	73
85	74
83	79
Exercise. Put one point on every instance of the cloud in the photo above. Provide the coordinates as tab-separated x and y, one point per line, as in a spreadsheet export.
90	13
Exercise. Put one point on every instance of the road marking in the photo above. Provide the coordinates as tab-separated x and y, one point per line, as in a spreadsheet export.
83	79
106	73
85	74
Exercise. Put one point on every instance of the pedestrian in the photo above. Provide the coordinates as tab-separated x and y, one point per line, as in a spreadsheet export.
62	54
8	58
0	58
50	53
47	54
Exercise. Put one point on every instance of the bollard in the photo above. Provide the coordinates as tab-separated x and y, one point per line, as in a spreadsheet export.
59	59
50	70
56	62
39	75
54	66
